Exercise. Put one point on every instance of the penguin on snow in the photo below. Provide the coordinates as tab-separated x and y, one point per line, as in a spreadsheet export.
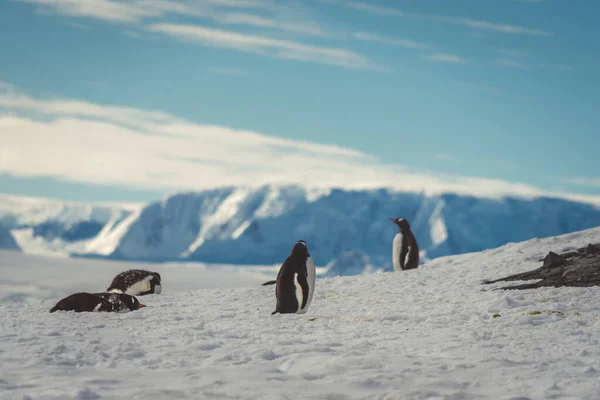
295	282
405	250
96	302
136	282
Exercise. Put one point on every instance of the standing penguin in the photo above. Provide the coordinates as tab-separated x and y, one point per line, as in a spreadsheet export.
136	282
295	283
405	250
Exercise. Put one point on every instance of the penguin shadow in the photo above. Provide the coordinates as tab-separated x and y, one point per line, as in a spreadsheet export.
295	282
120	296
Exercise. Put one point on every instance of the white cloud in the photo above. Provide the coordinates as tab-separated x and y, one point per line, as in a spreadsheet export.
106	10
447	58
466	22
91	143
266	46
386	40
490	26
220	11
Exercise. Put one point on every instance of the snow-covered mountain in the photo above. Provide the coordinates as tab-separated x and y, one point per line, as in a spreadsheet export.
7	241
51	226
259	226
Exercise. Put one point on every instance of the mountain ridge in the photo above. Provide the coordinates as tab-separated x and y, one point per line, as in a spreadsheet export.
256	226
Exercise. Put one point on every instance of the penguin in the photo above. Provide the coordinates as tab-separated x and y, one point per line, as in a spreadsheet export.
83	302
295	282
136	282
121	302
405	250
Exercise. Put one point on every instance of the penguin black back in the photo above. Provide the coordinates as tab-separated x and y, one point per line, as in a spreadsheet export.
121	301
136	282
405	249
295	281
83	302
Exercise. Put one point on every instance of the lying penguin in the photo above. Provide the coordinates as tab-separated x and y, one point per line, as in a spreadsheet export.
295	282
98	302
136	282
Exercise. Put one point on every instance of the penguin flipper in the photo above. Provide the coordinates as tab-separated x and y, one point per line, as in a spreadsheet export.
269	283
303	282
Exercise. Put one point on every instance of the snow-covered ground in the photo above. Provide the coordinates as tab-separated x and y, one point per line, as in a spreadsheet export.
431	333
36	277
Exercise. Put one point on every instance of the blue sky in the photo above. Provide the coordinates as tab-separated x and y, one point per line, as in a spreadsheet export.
108	100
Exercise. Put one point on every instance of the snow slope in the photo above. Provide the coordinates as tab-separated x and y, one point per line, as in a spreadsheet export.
431	333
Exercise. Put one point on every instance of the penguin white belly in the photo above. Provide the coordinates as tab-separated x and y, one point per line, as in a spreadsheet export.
311	279
396	249
139	287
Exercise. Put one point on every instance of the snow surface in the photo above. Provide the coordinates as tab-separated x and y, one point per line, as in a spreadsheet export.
431	333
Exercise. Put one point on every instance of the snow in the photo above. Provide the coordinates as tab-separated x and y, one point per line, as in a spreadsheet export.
431	333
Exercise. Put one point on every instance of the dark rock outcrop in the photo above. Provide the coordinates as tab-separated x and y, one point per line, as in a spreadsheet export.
580	268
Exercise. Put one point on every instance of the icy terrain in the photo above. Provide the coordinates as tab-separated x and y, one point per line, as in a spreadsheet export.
46	226
7	240
256	226
431	333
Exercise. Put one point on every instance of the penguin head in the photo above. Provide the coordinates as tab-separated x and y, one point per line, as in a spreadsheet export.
155	283
300	248
402	223
131	302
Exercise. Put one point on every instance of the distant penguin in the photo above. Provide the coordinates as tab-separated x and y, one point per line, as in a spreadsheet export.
121	302
83	302
136	282
295	283
405	250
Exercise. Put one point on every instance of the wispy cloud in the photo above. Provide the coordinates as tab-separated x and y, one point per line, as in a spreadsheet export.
266	46
387	40
106	10
229	12
376	10
463	21
445	58
510	63
583	181
228	71
100	144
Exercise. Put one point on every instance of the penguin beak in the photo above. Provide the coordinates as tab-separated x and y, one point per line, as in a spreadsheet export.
392	219
142	305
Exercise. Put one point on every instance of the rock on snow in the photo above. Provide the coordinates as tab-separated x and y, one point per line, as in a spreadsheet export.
432	333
